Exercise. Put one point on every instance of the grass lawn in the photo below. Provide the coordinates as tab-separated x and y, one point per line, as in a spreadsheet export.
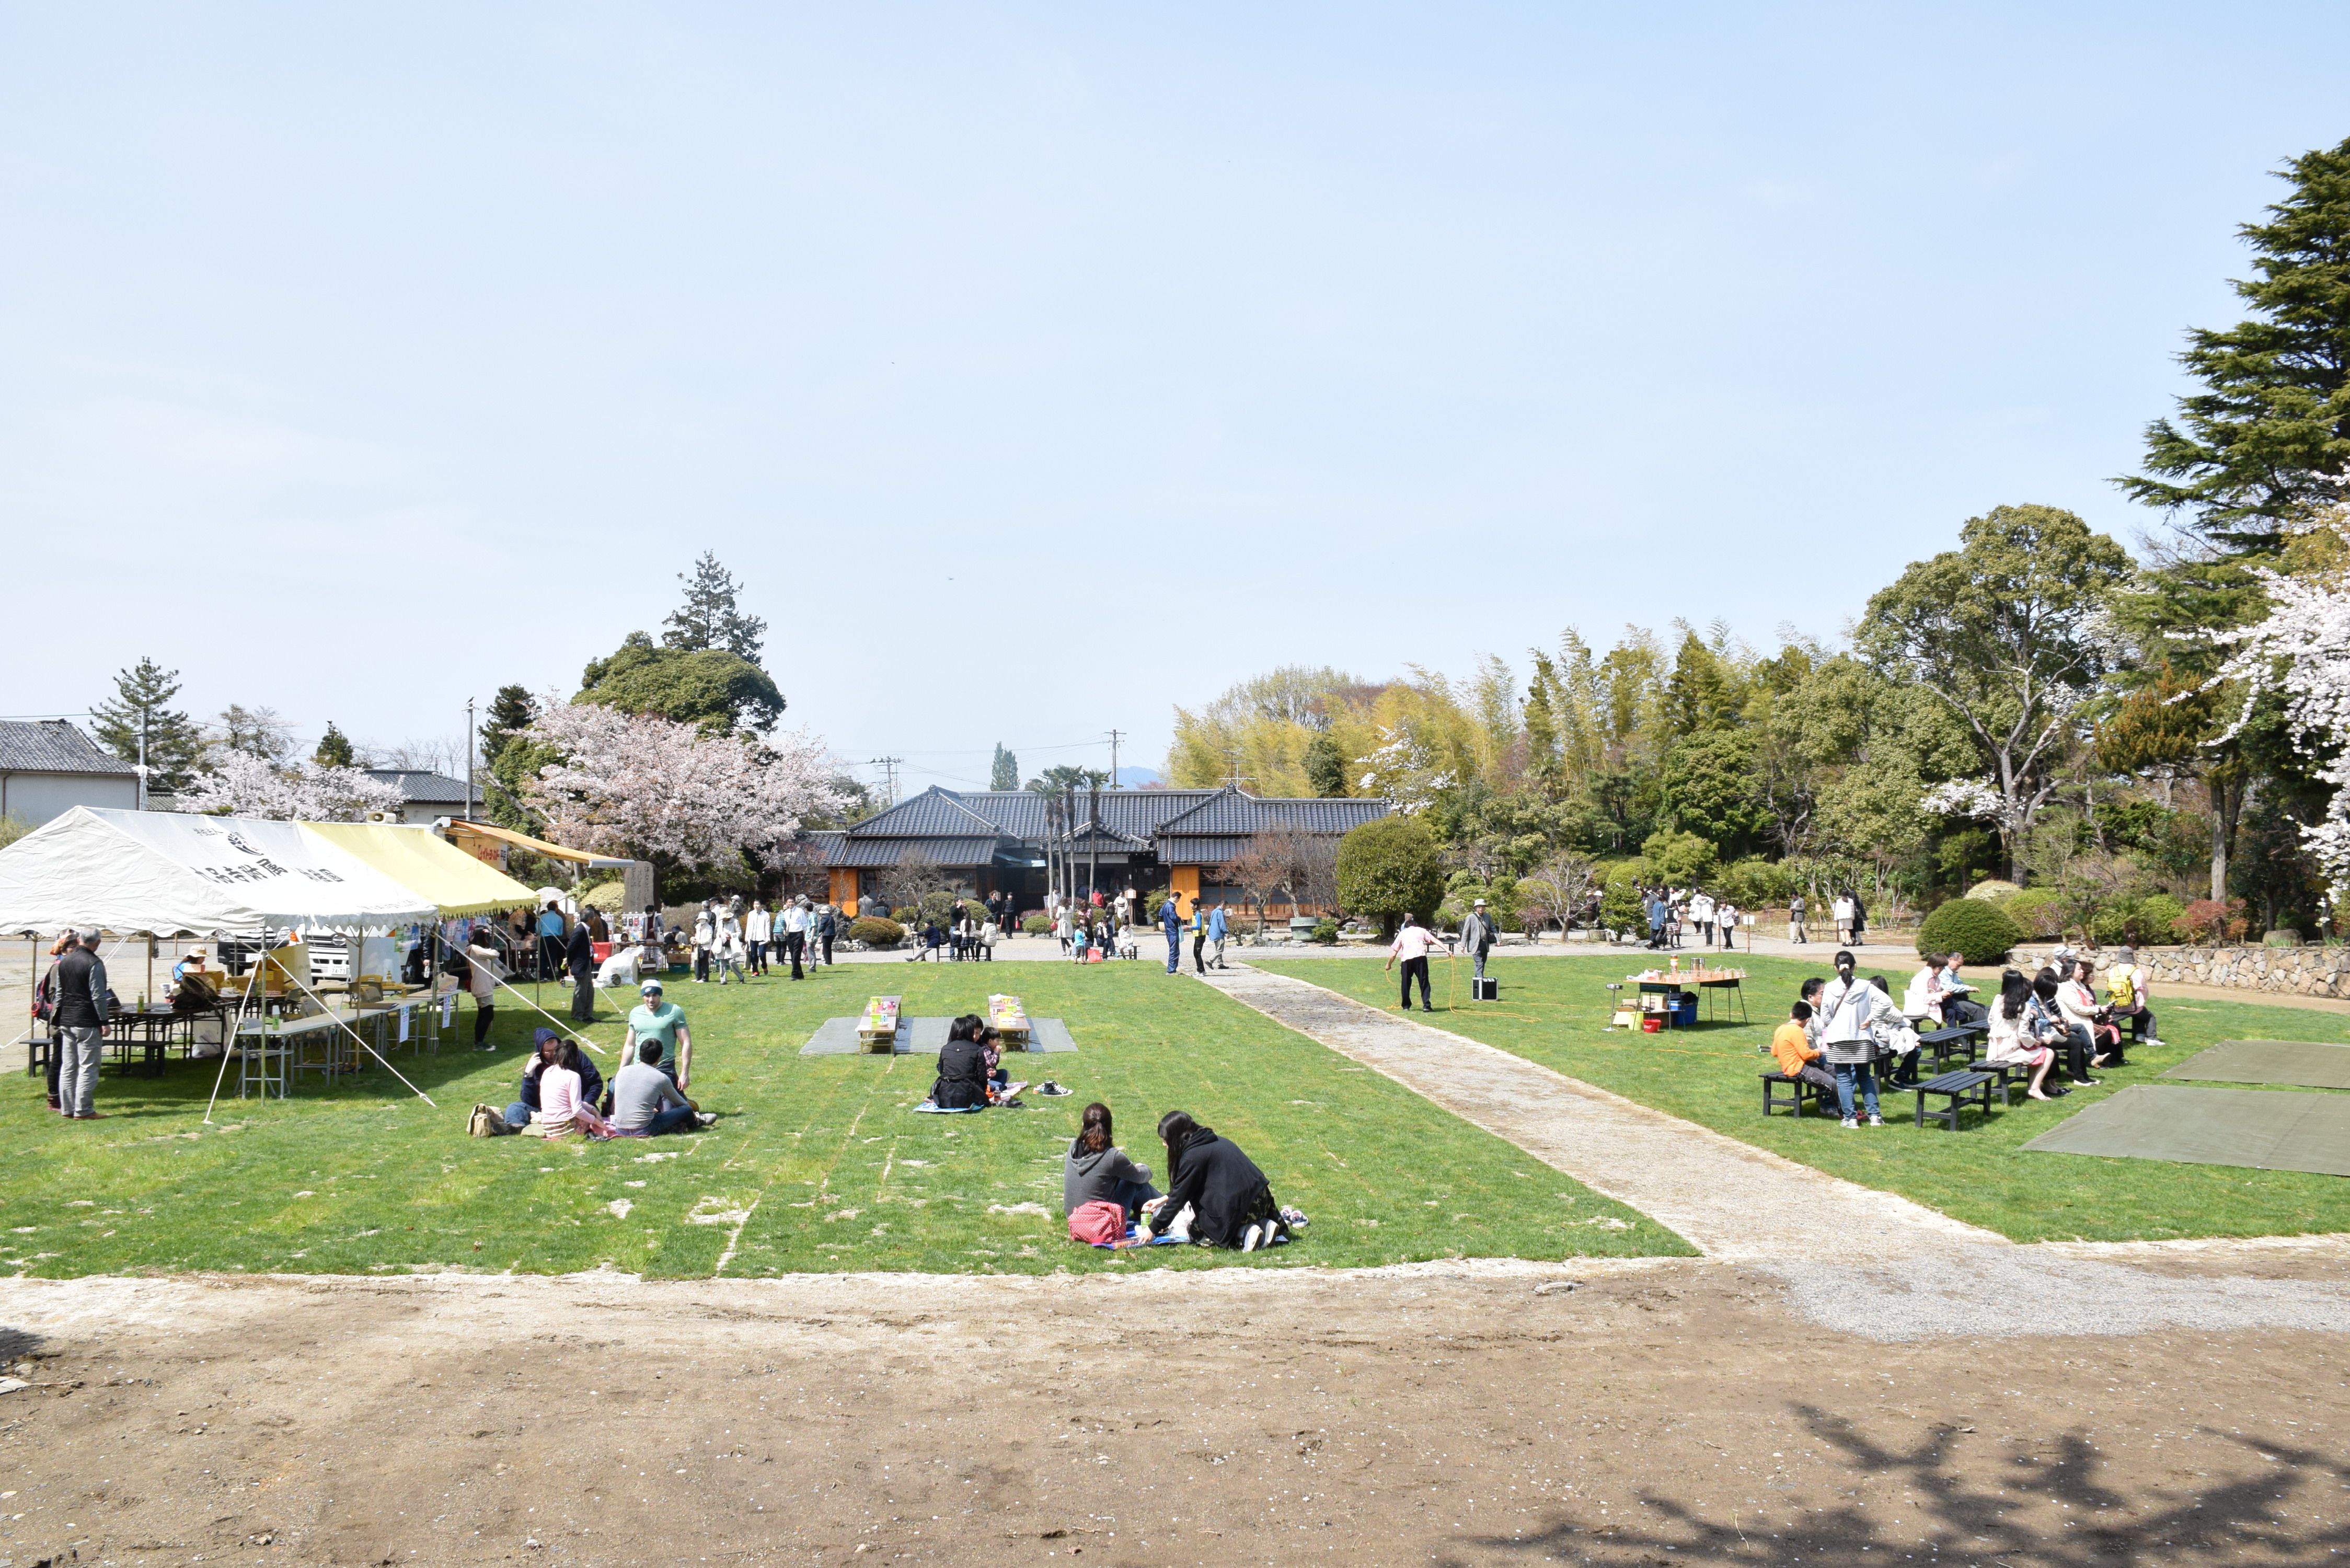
1552	1011
815	1164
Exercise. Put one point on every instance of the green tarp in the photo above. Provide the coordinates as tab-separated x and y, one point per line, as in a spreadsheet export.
2311	1064
2265	1129
923	1036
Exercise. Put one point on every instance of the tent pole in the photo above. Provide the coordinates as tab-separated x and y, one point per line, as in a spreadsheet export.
355	1035
235	1024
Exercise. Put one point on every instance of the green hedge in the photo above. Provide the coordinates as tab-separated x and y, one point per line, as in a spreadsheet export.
1388	868
876	933
1974	927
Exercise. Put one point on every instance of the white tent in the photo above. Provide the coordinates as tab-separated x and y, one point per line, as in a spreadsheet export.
168	872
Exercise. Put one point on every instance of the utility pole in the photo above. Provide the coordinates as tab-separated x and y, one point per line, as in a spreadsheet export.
471	749
1093	836
142	759
888	765
1113	758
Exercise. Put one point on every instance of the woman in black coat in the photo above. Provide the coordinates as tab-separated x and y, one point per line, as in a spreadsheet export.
963	1067
1231	1203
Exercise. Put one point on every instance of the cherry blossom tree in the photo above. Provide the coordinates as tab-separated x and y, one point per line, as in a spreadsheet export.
244	784
2303	650
639	785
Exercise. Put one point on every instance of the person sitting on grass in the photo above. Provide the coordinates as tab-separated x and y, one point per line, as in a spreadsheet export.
961	1082
566	1103
549	1049
646	1101
2012	1042
991	1045
1231	1203
1799	1059
1095	1170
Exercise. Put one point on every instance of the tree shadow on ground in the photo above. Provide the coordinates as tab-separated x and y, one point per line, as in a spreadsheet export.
2275	1512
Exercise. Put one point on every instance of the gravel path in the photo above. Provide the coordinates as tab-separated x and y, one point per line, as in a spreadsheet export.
1728	1198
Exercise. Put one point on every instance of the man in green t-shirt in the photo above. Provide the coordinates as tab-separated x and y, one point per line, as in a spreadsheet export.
654	1019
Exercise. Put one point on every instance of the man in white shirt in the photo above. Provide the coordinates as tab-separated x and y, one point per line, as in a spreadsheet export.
1847	1009
1412	944
794	923
758	931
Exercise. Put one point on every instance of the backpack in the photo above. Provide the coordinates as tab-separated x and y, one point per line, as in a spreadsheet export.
487	1121
2121	987
1100	1223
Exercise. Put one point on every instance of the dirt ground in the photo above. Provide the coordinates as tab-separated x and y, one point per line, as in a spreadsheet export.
1650	1413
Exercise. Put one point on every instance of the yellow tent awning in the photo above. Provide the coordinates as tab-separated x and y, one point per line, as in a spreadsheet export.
461	829
423	862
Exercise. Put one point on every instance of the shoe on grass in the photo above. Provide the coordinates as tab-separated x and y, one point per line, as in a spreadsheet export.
1249	1239
1875	1120
705	1118
1849	1123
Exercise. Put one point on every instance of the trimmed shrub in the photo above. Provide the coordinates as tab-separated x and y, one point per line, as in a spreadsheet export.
1388	868
1036	925
876	933
1754	884
1325	933
1993	888
1679	860
1973	927
2036	911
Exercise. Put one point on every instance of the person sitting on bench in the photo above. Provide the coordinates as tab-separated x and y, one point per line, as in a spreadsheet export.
1897	1042
1095	1170
2126	993
962	1068
1799	1059
2013	1042
2074	1047
2076	996
1231	1203
1949	993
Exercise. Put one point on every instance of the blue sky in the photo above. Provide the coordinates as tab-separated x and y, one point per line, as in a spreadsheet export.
1039	369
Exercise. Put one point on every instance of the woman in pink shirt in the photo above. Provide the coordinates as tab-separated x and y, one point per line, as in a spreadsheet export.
561	1106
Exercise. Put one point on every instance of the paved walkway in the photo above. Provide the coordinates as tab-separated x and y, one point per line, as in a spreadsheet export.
1727	1198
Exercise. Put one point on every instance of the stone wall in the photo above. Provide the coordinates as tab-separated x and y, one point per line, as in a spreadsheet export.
2296	971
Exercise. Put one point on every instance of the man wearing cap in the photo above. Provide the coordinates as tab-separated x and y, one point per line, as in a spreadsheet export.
1477	934
80	1025
654	1019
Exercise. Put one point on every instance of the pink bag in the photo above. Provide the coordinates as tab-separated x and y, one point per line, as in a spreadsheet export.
1098	1223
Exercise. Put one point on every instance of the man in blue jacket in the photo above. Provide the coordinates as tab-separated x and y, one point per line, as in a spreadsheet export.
1170	921
1216	932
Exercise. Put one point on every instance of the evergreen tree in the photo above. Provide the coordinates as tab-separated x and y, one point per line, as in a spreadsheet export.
710	618
334	749
1326	767
511	712
2269	437
143	694
1542	725
1006	774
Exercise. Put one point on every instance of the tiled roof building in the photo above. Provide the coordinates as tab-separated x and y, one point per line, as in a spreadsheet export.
1001	840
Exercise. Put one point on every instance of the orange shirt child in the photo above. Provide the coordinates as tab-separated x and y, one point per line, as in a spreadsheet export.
1792	1048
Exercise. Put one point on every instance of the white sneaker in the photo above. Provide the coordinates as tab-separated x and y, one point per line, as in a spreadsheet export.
1249	1239
1849	1123
1875	1120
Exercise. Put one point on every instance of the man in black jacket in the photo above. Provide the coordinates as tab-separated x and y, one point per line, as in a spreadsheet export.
80	1027
581	954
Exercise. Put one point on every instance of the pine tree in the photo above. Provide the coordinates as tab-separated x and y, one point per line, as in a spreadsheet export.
334	749
143	693
2270	436
511	712
1006	774
709	618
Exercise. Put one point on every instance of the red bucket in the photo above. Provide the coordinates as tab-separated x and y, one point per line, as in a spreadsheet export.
1652	1023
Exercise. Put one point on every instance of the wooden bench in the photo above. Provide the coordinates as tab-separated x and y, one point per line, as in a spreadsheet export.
1802	1089
1966	1086
1956	1040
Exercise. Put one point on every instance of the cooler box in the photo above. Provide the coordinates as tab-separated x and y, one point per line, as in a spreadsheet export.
1685	1010
1484	988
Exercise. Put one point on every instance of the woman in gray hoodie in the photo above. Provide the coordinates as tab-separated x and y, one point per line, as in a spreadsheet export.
1098	1171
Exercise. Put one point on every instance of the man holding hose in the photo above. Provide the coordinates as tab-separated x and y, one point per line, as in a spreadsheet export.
1412	944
